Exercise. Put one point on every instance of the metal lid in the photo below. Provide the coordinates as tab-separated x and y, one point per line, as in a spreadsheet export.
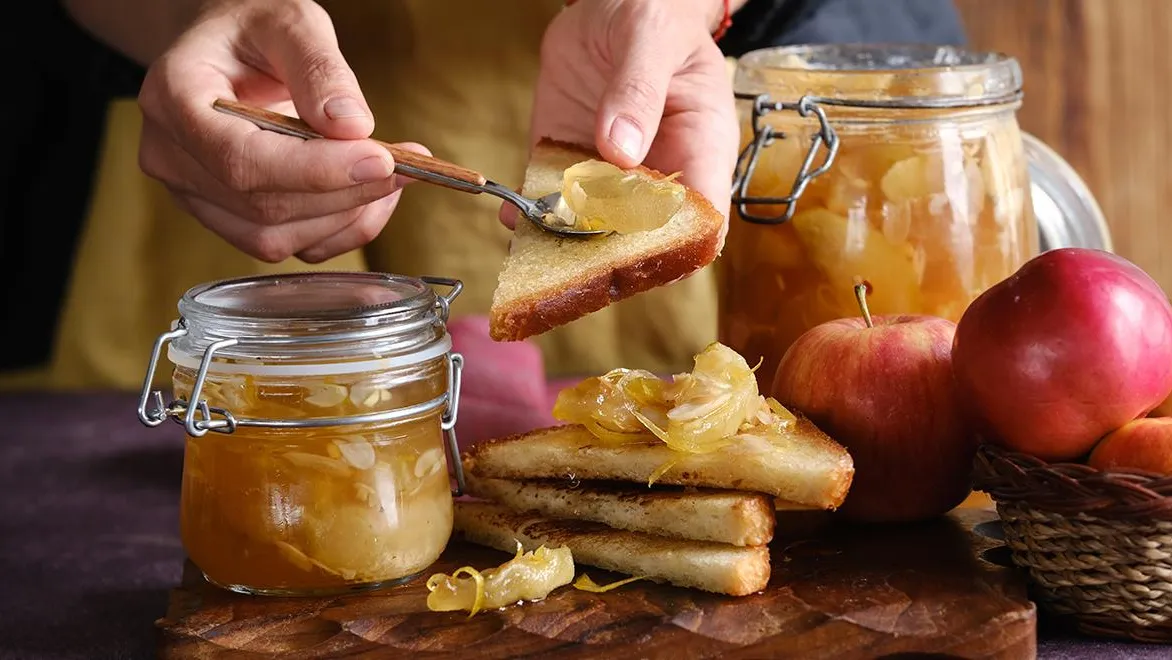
1064	207
308	296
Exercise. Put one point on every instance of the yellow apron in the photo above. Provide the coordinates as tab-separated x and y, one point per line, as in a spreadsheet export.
461	87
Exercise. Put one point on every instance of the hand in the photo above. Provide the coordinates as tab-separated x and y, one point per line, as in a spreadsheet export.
643	81
270	195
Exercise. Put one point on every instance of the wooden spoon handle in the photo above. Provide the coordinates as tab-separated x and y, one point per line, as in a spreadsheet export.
279	123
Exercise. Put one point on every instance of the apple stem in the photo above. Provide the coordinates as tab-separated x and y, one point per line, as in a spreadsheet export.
861	290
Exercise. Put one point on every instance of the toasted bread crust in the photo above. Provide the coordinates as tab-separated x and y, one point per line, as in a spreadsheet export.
812	470
714	567
537	314
701	514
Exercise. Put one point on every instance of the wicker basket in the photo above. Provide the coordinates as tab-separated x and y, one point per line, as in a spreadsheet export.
1097	545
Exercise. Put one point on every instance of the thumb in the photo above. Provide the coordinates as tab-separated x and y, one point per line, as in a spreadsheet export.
632	105
302	48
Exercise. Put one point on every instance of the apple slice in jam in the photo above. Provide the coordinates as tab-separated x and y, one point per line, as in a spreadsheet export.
695	412
528	576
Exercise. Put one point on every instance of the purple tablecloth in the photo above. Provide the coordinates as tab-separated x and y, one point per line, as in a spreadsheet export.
89	542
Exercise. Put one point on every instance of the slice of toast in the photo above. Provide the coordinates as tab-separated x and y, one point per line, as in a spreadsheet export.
797	521
723	516
715	567
548	281
803	467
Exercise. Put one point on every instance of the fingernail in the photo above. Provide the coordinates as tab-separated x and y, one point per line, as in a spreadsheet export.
343	107
625	135
373	168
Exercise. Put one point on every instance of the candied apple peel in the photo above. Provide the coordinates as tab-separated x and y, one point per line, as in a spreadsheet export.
597	195
527	576
696	412
584	583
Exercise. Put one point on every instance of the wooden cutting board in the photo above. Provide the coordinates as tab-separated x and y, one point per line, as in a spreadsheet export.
846	593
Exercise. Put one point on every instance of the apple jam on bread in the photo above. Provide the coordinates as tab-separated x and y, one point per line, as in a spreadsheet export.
663	232
597	195
675	481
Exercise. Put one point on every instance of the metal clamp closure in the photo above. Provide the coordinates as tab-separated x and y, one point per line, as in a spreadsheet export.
826	137
763	136
200	418
448	424
444	303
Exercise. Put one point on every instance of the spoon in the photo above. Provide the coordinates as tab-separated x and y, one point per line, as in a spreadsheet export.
541	211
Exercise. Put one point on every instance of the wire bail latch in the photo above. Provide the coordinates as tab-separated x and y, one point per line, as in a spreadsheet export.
763	136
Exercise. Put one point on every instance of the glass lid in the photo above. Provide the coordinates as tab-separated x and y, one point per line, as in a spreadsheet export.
1064	207
899	75
309	296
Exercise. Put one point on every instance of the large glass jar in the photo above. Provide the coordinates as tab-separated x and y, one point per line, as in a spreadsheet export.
899	165
315	454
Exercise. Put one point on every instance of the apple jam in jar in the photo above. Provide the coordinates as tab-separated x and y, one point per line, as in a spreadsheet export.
899	165
315	453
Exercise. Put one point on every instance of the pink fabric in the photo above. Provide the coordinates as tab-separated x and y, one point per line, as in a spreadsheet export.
504	389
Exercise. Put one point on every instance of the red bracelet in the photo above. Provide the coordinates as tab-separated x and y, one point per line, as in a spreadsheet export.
725	22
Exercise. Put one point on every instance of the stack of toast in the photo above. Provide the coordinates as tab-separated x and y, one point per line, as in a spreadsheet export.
705	523
639	506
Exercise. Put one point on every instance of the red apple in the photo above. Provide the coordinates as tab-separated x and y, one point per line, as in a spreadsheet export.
1141	444
1072	346
883	388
